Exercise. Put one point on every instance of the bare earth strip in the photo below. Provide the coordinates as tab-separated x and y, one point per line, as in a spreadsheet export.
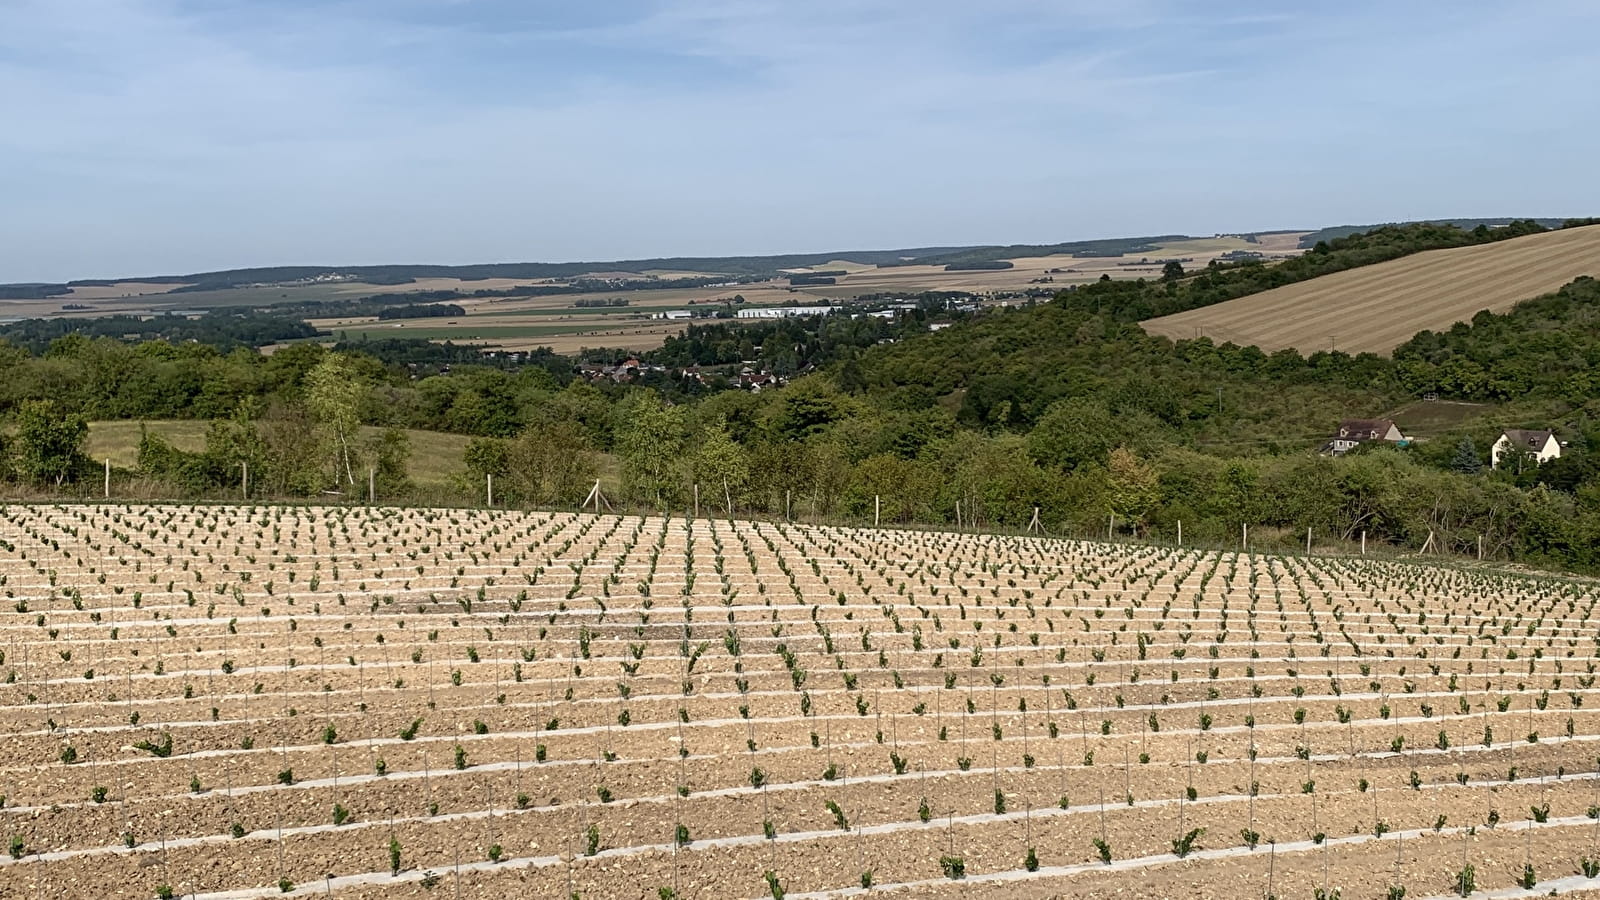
1377	308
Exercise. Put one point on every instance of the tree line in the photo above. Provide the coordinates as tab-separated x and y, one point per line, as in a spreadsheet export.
422	311
220	329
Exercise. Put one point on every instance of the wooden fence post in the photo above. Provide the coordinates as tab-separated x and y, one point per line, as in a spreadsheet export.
488	487
877	509
108	478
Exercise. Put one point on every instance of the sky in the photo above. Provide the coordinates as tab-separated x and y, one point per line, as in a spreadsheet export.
144	137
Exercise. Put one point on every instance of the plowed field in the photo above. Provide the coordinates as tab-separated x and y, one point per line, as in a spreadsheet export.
1377	308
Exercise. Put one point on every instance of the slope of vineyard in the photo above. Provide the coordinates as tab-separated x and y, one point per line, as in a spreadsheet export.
1376	308
250	702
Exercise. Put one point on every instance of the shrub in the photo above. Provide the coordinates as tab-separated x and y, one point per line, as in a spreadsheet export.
838	815
1183	846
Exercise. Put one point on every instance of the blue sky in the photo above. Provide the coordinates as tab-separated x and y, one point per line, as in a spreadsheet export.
162	136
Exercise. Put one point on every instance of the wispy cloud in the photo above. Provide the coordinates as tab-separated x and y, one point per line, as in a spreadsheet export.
153	135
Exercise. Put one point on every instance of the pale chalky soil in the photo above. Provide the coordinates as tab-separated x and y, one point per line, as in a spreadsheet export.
227	701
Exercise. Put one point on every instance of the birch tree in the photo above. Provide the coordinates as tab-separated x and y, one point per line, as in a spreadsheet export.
334	394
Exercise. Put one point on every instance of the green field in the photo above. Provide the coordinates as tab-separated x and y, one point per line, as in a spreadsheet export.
435	456
1431	418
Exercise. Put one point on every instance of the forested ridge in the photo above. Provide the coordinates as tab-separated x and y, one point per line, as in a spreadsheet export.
1063	405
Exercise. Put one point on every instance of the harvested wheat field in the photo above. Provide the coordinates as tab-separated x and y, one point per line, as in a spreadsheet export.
1377	308
241	702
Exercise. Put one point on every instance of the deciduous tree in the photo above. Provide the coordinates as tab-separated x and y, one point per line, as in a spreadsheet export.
49	443
334	394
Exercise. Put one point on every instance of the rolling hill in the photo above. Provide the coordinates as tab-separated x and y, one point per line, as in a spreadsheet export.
732	266
1376	308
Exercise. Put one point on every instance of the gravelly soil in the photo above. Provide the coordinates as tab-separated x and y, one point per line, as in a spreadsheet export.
212	701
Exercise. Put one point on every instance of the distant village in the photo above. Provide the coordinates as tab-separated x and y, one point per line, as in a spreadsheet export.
748	375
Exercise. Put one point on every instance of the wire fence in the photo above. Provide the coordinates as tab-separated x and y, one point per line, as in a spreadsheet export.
122	488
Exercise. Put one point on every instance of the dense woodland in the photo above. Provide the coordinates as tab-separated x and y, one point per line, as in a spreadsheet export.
421	311
1065	405
222	330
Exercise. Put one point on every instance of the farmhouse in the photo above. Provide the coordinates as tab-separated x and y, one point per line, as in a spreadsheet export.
1542	445
1353	432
